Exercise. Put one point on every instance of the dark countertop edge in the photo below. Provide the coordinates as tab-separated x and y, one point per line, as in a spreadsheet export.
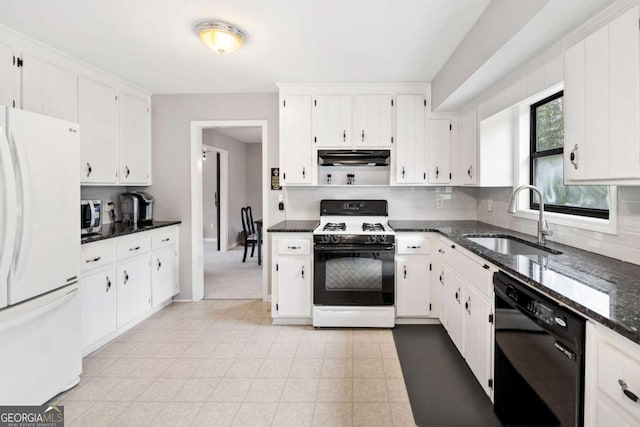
294	226
155	226
633	335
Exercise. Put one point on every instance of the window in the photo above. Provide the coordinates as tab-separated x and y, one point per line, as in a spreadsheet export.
546	163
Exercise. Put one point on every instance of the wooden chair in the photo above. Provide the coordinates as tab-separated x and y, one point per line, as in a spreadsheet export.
248	227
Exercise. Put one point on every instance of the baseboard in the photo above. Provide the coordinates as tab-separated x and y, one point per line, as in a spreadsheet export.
417	321
291	321
210	240
233	246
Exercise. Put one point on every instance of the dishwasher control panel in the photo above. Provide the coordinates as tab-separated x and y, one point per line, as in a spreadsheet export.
536	308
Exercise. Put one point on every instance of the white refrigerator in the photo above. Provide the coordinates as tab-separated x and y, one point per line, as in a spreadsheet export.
40	338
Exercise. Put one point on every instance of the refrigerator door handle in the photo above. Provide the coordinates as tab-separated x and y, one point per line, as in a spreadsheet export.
10	209
24	198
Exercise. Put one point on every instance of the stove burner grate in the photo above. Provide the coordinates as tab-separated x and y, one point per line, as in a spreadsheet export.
367	226
334	226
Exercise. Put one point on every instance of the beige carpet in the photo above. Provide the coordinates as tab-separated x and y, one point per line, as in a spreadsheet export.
227	277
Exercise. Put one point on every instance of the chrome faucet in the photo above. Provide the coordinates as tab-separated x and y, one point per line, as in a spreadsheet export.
543	225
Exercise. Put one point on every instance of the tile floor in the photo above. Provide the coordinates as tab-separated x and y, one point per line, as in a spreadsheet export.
222	363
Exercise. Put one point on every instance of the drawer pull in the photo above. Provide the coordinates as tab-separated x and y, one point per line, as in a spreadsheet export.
96	259
294	248
625	389
134	249
166	240
453	246
414	247
486	267
441	251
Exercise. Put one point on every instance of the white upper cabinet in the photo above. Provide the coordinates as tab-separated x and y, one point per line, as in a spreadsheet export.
135	140
372	121
7	67
466	161
296	151
602	104
332	121
98	118
47	89
439	143
410	154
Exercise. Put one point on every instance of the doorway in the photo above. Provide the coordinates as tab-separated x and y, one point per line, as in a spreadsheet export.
233	158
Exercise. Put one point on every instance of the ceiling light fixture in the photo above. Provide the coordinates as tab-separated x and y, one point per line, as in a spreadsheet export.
220	36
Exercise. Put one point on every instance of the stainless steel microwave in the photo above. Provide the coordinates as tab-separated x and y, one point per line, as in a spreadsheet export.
90	216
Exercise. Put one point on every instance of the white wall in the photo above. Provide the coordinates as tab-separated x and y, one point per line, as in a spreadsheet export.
254	179
209	188
404	202
171	120
237	180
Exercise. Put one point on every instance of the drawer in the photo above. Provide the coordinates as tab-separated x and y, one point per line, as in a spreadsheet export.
98	254
166	238
614	365
294	246
134	247
413	245
474	271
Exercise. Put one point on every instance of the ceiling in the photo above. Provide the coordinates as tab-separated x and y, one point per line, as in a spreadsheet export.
151	43
248	135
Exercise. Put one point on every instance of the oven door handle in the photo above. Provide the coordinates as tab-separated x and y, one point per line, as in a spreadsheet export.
353	248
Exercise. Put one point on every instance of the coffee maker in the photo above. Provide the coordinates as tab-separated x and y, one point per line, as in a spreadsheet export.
136	208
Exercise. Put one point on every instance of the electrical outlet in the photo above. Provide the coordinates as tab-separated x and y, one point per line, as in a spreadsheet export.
439	203
490	205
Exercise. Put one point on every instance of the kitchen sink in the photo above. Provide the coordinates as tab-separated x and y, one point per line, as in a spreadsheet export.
510	245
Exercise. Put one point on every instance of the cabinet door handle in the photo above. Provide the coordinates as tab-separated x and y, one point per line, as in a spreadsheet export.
441	251
126	277
344	136
458	295
304	172
441	278
294	248
89	169
159	264
625	389
108	284
467	305
302	272
437	172
134	249
403	172
96	259
362	135
469	171
574	156
127	171
405	271
166	240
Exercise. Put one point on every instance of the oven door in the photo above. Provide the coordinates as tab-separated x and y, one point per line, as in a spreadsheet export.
353	275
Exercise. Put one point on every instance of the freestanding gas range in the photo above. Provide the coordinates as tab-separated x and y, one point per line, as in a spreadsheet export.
354	249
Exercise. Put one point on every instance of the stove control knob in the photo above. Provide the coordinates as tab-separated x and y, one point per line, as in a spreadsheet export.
372	239
382	239
325	239
335	239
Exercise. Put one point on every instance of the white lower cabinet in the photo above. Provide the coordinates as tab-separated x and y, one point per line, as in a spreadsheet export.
98	305
164	274
612	379
126	279
292	275
412	286
468	307
134	289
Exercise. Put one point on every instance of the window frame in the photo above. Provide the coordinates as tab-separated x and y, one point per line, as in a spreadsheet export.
535	154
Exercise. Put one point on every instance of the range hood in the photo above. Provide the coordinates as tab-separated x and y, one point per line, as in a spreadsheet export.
353	157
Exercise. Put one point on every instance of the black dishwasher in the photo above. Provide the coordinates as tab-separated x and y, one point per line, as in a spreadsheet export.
539	358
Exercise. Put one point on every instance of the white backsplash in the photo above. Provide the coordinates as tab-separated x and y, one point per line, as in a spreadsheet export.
404	202
107	194
624	245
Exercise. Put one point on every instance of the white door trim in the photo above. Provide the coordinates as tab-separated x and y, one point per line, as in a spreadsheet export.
224	197
197	246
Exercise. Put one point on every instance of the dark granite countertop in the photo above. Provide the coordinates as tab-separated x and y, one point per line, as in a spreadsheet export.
117	229
604	289
294	227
